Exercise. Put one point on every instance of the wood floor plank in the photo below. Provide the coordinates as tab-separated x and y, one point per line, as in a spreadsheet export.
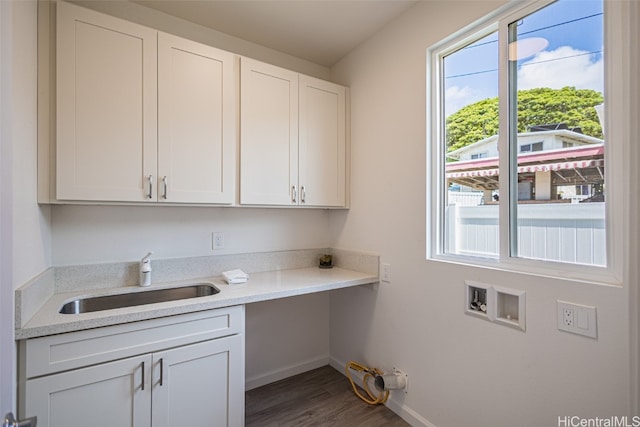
321	397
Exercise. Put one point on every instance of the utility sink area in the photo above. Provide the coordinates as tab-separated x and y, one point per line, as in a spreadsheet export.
96	296
108	302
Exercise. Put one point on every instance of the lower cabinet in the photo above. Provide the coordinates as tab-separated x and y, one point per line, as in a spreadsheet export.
192	386
199	384
109	394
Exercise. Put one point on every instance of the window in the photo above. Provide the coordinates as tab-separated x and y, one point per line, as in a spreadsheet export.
479	155
528	148
519	85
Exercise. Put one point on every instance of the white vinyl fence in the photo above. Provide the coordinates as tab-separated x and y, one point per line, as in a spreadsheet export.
465	198
572	233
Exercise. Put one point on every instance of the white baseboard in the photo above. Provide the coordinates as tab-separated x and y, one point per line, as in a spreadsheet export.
285	372
402	410
408	414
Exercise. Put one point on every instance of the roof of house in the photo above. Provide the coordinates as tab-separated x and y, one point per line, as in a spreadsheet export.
570	166
564	133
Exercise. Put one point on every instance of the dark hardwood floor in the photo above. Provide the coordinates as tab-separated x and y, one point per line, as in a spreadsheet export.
322	397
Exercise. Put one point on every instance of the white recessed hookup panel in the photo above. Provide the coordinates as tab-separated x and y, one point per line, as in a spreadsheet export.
496	304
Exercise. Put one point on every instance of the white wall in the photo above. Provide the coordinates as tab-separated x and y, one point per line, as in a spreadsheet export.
97	234
7	353
274	331
24	226
634	229
31	229
463	371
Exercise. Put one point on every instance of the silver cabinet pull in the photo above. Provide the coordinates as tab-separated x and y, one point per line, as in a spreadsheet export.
294	194
303	195
164	191
150	195
142	388
161	370
10	421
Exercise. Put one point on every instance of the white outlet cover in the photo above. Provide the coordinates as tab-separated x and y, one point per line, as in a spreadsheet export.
217	240
385	272
577	319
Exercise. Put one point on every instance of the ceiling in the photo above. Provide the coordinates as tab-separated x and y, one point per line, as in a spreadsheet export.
320	31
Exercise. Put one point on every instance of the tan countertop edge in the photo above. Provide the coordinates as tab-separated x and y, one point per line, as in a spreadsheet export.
260	287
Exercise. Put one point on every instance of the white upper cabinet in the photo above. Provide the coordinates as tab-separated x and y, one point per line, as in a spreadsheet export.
196	122
268	134
293	138
322	145
147	117
106	106
142	116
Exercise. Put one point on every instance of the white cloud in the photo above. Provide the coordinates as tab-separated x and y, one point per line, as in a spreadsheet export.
562	67
457	97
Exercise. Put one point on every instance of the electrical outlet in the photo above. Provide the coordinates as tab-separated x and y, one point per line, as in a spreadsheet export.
577	319
567	316
217	238
385	272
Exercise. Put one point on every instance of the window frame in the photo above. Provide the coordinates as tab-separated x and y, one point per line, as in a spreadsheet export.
615	46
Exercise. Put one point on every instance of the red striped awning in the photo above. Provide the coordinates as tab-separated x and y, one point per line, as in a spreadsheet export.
578	164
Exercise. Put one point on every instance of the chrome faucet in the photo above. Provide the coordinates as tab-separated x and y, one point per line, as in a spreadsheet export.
145	270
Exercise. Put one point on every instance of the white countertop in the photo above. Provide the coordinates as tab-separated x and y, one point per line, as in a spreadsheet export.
260	287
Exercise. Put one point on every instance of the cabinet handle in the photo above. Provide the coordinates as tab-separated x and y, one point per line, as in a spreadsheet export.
164	191
303	195
161	370
142	388
294	193
10	421
150	195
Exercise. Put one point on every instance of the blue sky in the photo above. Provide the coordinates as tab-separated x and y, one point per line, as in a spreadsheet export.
573	56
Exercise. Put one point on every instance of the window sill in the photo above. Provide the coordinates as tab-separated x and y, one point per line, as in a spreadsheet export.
600	276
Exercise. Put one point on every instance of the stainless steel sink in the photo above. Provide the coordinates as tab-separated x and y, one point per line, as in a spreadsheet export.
108	302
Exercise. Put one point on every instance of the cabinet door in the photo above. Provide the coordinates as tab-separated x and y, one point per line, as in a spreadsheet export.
268	134
105	395
196	127
200	384
322	143
106	107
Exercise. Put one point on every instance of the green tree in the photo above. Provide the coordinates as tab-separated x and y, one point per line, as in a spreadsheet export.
539	106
